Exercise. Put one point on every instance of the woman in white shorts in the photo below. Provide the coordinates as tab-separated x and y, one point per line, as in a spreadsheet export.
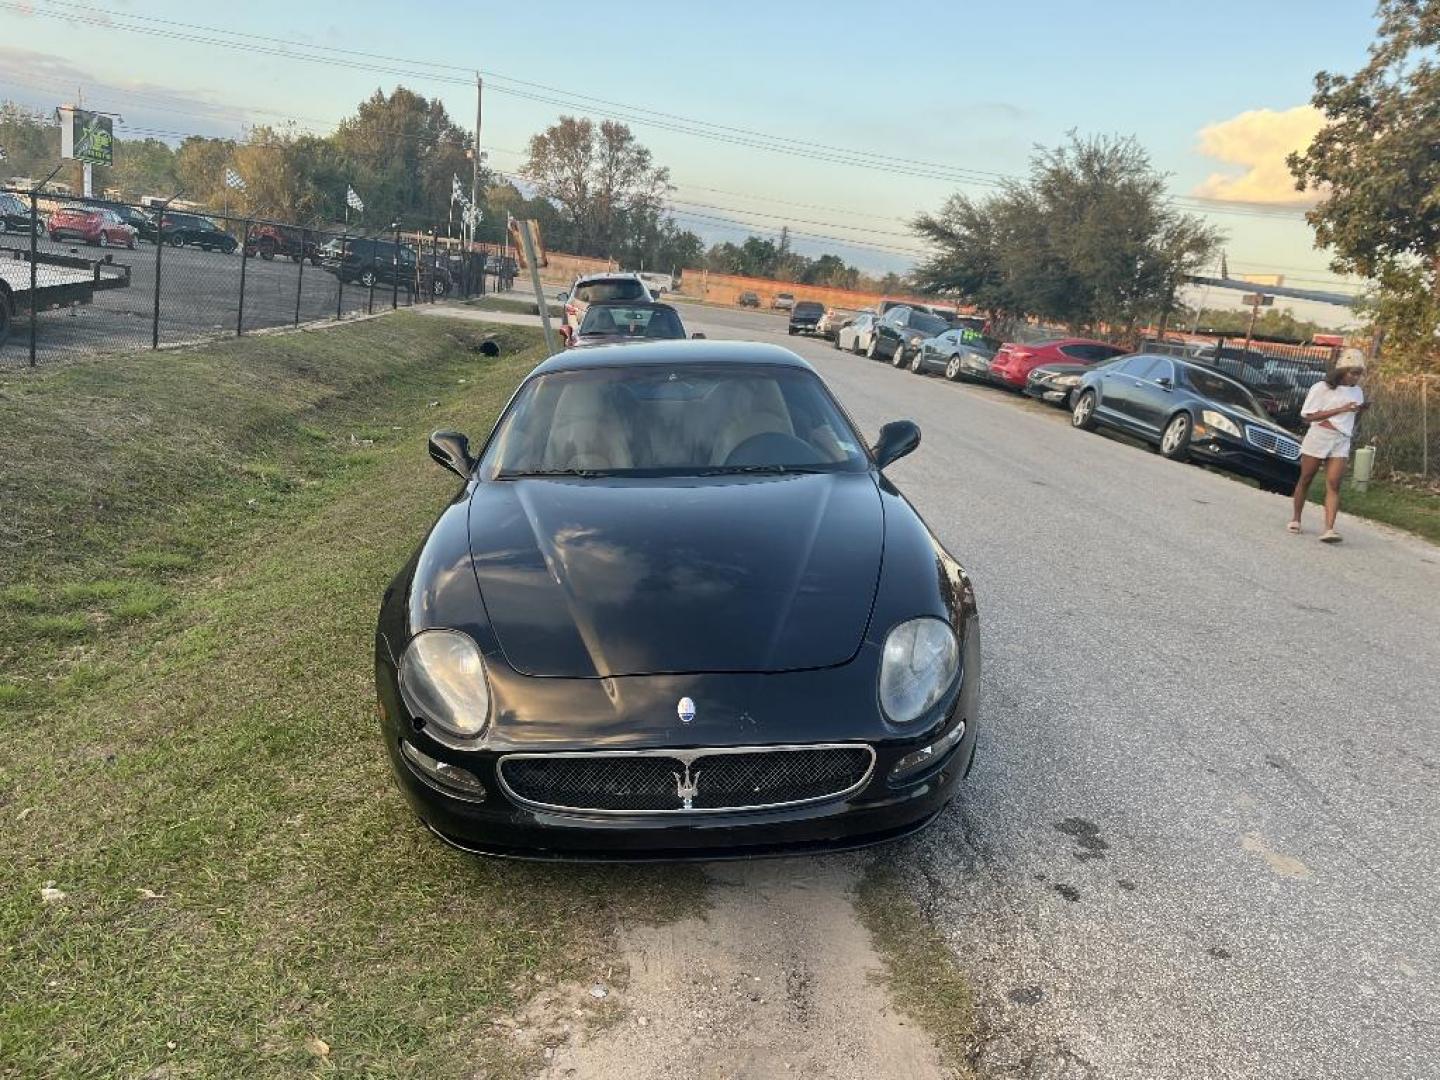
1329	409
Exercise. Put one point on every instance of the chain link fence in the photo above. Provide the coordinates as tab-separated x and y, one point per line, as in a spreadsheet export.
85	276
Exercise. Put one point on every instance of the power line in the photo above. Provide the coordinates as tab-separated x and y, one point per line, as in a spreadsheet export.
725	134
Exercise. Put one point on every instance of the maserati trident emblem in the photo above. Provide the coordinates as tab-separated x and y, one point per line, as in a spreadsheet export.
686	710
687	786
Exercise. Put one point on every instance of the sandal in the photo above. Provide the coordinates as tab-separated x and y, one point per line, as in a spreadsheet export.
1293	527
1330	536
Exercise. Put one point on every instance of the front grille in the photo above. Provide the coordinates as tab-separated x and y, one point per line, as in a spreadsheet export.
680	781
1272	442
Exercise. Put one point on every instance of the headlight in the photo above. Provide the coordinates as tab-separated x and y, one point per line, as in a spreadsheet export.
1067	380
917	666
916	339
442	679
1220	422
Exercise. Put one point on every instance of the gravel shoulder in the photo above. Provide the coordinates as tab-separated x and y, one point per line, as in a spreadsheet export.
777	978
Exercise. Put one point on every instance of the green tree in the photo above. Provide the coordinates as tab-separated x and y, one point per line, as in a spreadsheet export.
1378	172
1087	239
600	177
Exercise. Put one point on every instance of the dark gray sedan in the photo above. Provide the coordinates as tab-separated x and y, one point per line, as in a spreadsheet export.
957	354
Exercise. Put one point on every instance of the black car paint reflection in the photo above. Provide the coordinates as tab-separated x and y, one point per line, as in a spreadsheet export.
598	603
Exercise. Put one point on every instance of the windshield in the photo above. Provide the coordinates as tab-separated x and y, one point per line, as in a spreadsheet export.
682	420
1218	388
597	292
928	324
626	321
806	307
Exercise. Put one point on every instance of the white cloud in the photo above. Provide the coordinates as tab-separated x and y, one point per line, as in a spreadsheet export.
1257	141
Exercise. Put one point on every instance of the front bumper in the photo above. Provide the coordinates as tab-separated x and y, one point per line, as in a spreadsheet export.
1234	455
877	812
1049	392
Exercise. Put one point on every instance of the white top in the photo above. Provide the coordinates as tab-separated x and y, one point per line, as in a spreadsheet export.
1322	398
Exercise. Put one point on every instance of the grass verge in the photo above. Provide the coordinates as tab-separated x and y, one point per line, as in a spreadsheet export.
514	306
193	547
1407	508
919	971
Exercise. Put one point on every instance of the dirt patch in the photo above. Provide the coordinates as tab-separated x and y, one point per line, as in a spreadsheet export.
778	978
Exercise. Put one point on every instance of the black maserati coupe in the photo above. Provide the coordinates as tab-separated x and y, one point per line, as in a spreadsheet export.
677	610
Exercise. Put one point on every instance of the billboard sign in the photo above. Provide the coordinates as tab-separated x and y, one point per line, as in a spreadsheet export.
87	136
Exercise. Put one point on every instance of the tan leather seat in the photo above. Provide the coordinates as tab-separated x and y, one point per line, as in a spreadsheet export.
746	407
584	433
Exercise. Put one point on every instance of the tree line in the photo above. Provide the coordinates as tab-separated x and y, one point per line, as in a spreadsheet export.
594	188
1088	239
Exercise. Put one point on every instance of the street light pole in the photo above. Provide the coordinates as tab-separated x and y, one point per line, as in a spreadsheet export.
475	162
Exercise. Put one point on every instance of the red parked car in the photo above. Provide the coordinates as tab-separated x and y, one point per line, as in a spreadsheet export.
1014	362
103	227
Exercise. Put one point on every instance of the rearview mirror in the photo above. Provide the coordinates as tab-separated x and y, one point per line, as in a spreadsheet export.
452	450
897	439
698	337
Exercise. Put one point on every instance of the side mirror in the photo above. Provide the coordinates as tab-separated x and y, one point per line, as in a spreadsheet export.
562	296
698	337
897	439
1164	382
452	450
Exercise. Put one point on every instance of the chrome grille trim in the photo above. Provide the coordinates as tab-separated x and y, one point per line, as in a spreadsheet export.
1265	439
686	757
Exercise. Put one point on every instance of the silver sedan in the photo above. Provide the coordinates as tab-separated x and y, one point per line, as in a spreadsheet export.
857	334
955	357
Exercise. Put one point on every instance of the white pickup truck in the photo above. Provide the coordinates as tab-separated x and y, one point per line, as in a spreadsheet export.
55	281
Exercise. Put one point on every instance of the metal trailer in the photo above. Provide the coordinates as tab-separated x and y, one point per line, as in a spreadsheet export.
59	281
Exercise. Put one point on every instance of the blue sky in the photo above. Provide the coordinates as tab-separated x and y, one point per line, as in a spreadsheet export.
968	86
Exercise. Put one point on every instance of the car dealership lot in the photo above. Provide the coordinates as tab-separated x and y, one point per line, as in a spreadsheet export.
1199	831
199	296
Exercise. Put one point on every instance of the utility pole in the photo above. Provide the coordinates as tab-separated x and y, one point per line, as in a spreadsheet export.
475	164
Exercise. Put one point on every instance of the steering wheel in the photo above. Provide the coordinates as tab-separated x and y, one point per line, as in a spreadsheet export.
774	448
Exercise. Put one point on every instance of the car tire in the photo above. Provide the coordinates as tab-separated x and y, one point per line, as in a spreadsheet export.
367	278
872	351
176	241
917	366
952	369
4	227
103	241
897	358
1175	440
438	287
1083	415
5	319
131	244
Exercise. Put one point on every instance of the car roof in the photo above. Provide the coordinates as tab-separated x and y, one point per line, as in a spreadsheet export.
616	275
660	353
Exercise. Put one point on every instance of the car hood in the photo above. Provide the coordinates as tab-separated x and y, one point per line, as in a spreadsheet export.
610	577
1061	369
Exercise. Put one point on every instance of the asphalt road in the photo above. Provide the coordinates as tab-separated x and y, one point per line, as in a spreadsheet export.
1202	837
199	298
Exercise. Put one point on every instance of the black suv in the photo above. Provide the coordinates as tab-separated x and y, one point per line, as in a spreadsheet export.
182	230
805	317
899	335
14	213
372	261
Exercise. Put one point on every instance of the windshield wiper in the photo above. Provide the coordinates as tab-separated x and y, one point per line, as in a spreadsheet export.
722	470
530	474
